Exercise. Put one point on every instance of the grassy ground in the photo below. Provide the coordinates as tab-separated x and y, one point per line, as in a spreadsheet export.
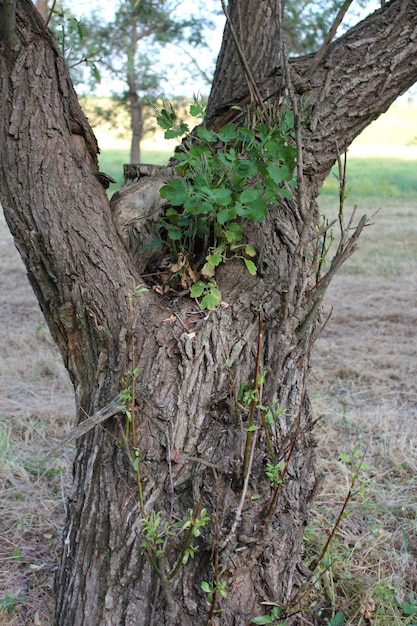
363	384
364	388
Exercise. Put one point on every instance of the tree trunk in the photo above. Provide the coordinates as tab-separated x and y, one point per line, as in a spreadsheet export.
136	116
190	443
135	105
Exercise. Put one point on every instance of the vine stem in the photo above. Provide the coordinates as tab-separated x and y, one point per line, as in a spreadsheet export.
238	514
300	593
278	488
256	396
132	403
187	541
251	82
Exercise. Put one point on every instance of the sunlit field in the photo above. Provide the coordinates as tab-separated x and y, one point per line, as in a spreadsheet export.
363	385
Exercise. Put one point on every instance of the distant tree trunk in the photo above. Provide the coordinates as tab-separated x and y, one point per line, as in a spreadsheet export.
136	115
42	6
135	104
189	443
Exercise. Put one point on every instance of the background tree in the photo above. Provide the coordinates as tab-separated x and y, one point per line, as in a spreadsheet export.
118	564
132	46
307	23
128	49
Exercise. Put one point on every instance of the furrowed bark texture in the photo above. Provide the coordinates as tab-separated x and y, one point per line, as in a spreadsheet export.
189	440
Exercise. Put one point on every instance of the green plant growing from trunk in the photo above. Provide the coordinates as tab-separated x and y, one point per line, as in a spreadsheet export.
226	178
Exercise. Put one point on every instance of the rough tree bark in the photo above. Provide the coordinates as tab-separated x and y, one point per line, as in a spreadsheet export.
190	445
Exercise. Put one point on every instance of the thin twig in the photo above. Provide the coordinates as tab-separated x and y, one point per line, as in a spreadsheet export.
256	396
252	86
303	588
279	486
49	18
109	410
326	43
239	510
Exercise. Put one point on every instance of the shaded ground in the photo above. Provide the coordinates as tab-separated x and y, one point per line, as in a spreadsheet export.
364	385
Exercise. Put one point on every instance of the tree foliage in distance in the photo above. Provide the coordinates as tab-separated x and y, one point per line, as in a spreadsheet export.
307	23
79	50
128	49
132	46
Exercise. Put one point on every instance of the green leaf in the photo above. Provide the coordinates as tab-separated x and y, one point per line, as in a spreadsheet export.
197	110
191	204
173	133
175	191
263	131
175	234
263	619
252	269
215	259
257	210
204	208
250	250
248	195
211	299
234	227
206	135
233	232
277	172
286	193
344	457
245	135
208	269
171	213
225	215
95	72
205	586
222	196
227	132
197	289
247	168
166	119
337	620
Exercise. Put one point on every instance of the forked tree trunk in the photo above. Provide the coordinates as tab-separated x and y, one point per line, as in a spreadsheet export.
190	441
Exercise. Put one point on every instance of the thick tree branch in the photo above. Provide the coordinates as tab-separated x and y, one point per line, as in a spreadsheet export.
58	212
359	77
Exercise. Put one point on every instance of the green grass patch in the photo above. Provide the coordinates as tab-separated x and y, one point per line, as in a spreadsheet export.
111	161
382	178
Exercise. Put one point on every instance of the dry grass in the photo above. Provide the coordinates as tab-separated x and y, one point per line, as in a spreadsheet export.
36	406
363	383
365	387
